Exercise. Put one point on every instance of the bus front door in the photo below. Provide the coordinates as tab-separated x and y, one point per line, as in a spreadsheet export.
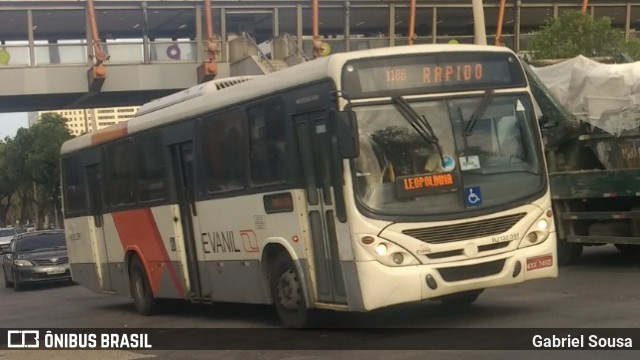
183	170
315	153
93	176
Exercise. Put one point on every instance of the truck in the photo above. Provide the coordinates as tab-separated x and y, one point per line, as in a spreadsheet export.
594	167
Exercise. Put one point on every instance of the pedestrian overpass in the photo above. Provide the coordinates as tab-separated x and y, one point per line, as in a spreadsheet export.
157	47
47	53
132	77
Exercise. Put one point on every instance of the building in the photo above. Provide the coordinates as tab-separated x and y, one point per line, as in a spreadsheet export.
80	121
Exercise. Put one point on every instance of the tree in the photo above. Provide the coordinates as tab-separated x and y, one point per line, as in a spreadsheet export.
574	33
32	161
7	186
43	159
16	171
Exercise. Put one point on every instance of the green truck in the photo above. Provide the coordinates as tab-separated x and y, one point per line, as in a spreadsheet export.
595	202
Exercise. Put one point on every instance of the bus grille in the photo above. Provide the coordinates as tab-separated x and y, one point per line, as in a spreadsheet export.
457	232
458	252
459	273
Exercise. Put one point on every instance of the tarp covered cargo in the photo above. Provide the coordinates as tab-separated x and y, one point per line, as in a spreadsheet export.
605	95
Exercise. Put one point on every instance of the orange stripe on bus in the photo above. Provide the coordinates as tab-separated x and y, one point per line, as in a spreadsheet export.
113	132
139	228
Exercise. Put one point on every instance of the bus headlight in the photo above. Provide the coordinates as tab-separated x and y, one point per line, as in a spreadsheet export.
542	224
381	249
386	252
538	232
397	258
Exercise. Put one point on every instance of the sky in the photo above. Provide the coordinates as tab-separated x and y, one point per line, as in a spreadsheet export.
11	122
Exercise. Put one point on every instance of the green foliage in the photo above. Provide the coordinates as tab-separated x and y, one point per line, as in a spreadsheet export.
6	188
43	158
32	158
575	33
632	48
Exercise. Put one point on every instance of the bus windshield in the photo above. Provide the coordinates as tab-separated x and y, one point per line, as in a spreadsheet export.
497	163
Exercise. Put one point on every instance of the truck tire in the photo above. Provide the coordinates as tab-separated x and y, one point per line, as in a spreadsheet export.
568	252
288	293
627	249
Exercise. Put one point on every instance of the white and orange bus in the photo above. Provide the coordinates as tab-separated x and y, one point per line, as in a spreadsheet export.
350	182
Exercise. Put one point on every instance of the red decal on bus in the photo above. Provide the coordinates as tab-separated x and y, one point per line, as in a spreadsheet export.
249	241
138	228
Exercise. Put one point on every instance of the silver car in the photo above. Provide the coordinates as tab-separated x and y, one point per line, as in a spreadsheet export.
36	257
6	235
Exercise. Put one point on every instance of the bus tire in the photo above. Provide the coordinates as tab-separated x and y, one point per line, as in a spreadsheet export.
141	289
287	292
461	299
568	253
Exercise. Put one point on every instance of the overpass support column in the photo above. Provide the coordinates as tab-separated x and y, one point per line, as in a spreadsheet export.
517	23
299	33
145	34
392	25
32	50
347	26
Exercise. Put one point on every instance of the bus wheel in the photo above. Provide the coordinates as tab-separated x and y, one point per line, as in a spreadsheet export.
287	293
141	289
461	299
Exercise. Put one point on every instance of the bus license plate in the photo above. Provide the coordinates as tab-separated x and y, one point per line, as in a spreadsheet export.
539	262
55	271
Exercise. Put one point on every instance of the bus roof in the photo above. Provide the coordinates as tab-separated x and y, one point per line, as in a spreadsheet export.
205	97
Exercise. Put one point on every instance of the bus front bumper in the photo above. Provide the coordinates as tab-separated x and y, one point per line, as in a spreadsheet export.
383	285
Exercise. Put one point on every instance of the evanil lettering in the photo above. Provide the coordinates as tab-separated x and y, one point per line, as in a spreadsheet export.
438	74
219	242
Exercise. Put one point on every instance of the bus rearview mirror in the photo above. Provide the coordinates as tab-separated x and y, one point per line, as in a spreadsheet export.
346	131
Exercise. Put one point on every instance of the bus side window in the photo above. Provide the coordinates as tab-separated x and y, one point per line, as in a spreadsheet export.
268	143
121	174
151	167
223	142
74	187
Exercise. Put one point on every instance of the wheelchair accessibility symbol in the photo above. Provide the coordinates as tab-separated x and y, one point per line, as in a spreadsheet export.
472	196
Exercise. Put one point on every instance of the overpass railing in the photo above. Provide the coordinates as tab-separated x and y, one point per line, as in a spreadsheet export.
76	52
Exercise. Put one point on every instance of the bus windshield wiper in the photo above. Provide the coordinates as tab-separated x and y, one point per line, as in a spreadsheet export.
419	123
480	109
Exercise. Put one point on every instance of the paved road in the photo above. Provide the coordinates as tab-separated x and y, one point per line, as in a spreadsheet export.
599	292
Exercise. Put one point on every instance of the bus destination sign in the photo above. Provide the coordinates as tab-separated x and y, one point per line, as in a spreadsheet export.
432	73
424	184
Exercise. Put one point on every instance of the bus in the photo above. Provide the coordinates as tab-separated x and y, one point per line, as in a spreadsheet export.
350	183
